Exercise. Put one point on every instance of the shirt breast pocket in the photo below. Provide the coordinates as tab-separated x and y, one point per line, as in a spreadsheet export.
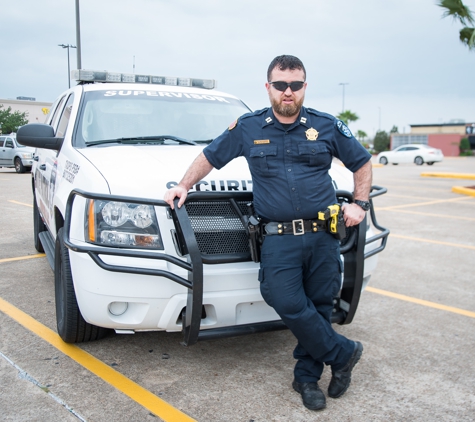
263	160
315	154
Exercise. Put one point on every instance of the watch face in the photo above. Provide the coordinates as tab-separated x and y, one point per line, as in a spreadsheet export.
363	204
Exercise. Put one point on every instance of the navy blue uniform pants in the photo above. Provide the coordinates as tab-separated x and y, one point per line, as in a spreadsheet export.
300	276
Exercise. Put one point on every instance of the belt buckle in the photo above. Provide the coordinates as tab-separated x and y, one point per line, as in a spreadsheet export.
297	228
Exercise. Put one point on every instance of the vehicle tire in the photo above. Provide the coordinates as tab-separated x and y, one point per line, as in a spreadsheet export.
38	227
383	161
72	327
429	164
419	161
19	168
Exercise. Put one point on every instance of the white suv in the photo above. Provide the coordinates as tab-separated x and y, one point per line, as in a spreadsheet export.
122	259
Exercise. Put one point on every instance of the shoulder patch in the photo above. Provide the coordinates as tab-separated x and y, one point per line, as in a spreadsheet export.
344	129
232	125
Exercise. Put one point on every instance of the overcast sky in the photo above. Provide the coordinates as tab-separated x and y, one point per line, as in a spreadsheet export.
402	63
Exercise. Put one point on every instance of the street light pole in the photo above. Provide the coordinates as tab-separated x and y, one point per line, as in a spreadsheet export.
68	46
343	104
78	36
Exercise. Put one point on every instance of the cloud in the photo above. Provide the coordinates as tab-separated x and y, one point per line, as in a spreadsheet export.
403	63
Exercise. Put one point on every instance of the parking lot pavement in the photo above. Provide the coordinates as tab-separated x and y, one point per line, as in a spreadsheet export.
416	321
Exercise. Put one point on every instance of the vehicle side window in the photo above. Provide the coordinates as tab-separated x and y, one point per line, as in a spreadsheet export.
57	112
411	148
2	140
9	144
65	116
402	149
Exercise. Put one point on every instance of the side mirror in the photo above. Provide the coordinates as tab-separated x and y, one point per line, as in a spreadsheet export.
39	135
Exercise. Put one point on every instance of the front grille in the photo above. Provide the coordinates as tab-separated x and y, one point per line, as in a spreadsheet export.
218	228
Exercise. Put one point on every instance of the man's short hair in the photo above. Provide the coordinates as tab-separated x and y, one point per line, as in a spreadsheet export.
285	62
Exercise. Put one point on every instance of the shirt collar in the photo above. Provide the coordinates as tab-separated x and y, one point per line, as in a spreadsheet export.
270	119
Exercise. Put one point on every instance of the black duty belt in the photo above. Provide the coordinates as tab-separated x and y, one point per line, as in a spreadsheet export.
295	227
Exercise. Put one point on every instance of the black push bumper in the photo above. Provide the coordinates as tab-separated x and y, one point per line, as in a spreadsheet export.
192	261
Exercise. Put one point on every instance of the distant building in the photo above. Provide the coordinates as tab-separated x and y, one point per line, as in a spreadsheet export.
37	110
445	136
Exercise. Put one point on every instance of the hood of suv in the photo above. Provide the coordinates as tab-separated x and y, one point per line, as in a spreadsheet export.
142	170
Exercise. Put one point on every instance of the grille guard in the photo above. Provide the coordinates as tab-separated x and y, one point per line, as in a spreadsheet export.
352	247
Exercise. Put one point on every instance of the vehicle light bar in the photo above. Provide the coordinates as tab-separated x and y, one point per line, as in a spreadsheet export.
83	75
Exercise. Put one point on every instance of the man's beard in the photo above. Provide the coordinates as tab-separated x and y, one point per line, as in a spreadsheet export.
286	110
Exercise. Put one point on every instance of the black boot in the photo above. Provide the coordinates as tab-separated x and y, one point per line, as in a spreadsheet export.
341	379
312	397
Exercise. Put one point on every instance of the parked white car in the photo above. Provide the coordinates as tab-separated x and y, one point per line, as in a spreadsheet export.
122	259
411	153
13	154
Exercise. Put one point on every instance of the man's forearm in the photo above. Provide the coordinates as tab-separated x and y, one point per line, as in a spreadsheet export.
198	169
363	178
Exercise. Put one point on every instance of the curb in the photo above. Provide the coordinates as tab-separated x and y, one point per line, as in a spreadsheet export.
450	175
456	189
463	191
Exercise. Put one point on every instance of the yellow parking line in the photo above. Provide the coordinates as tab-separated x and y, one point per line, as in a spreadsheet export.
128	387
20	203
421	302
20	258
452	217
419	204
450	175
438	242
462	190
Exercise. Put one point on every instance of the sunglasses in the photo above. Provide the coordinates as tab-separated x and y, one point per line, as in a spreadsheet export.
282	86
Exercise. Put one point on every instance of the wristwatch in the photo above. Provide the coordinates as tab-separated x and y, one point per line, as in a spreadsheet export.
363	204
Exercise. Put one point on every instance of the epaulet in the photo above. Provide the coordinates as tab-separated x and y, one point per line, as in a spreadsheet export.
320	114
247	116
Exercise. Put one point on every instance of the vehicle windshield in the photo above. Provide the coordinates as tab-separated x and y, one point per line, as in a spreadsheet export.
145	116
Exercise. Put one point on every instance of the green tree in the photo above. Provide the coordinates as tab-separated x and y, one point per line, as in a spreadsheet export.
381	141
465	148
347	117
458	11
10	122
394	129
361	135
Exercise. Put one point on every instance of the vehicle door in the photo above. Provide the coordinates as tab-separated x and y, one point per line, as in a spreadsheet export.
2	150
412	152
8	151
401	155
46	168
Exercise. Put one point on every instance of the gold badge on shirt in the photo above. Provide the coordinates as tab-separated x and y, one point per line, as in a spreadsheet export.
311	134
261	141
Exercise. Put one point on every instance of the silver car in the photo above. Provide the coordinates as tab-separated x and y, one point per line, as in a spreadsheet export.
13	154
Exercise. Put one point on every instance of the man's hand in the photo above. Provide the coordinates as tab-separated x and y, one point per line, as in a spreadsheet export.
176	192
352	214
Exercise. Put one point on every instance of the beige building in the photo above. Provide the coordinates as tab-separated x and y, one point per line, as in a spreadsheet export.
36	110
445	136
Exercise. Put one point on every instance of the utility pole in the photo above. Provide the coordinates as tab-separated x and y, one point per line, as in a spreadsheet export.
343	104
78	36
68	46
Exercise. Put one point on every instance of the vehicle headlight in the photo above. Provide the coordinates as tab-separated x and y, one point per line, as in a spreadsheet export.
27	155
121	224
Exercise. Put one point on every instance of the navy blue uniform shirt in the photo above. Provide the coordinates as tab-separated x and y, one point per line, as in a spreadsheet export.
289	166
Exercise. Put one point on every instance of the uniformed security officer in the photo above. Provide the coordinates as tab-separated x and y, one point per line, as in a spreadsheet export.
289	149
